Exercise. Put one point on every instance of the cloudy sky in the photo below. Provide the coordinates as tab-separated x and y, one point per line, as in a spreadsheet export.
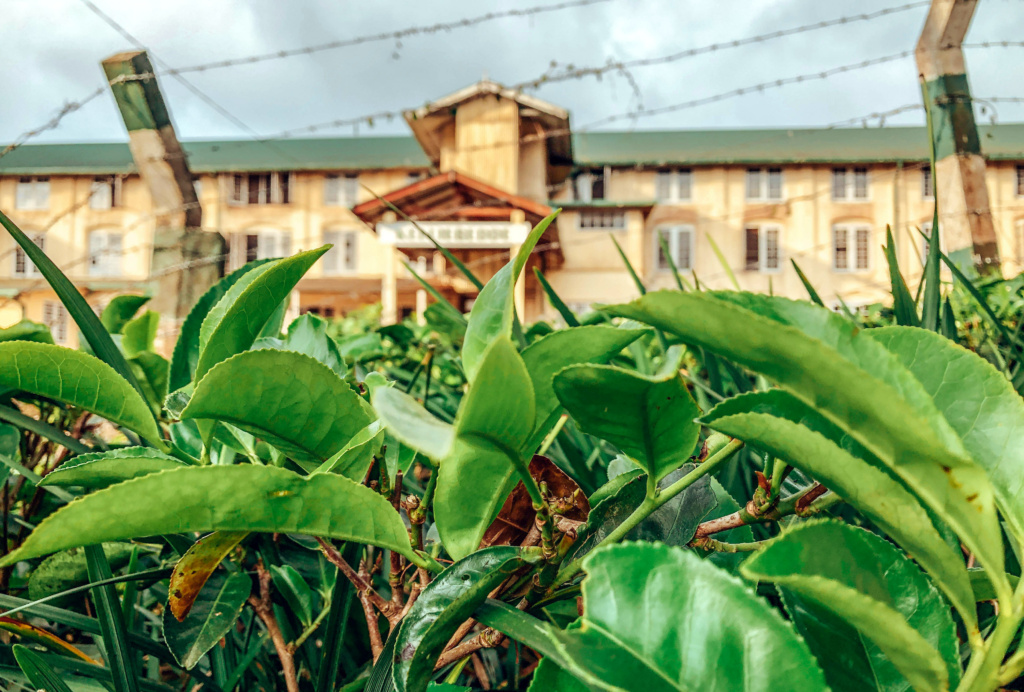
53	49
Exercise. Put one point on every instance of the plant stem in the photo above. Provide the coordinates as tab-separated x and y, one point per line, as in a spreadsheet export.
549	439
312	628
750	515
655	500
265	611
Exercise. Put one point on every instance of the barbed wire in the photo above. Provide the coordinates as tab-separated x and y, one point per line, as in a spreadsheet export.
383	36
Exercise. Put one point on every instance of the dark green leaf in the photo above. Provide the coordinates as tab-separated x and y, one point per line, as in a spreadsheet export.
556	302
68	569
903	304
108	611
295	590
213	615
813	294
40	675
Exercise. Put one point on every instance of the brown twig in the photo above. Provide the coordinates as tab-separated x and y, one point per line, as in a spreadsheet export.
488	639
397	561
813	494
265	611
481	672
362	585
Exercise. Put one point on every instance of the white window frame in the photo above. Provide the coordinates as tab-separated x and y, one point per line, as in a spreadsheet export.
927	181
763	230
616	216
673	185
106	192
238	192
849	188
28	268
343	258
32	193
341	189
763	184
851	233
106	252
55	316
675	236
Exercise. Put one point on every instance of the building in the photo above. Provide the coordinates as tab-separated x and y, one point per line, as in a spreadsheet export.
483	164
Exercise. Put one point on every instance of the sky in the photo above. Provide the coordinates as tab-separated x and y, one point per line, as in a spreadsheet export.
53	49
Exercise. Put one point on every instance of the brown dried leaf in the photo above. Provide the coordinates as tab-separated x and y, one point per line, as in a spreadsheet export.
196	566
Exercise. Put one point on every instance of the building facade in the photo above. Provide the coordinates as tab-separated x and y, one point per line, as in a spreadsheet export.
481	166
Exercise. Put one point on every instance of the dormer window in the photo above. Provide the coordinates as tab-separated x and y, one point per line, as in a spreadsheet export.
589	185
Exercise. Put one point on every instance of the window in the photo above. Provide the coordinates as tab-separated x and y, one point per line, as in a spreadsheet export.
764	184
265	244
260	188
341	190
106	192
55	316
341	258
32	193
23	266
673	185
590	185
680	244
849	183
1020	181
602	219
105	253
414	177
851	248
763	248
928	183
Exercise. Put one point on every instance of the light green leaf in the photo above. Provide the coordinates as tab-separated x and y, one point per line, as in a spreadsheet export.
120	310
492	426
196	566
651	419
215	612
100	469
447	602
221	498
494	310
140	333
866	581
549	354
881	498
548	677
236	328
308	334
186	350
629	640
823	359
978	402
27	331
410	423
354	458
78	379
291	400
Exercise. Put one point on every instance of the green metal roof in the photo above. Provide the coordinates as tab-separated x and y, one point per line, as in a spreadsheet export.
835	145
651	148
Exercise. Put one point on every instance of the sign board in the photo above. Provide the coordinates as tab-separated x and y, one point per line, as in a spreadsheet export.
454	234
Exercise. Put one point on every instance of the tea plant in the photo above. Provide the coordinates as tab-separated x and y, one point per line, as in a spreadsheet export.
411	508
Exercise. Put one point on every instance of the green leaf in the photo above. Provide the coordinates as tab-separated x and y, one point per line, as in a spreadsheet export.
409	422
244	316
68	569
931	302
447	602
651	419
78	379
196	566
221	498
120	657
548	677
725	264
866	581
815	354
494	310
881	498
215	612
490	432
551	353
308	334
81	312
295	590
151	370
27	331
288	399
903	304
978	402
140	333
354	458
628	640
40	675
333	634
812	294
727	504
100	469
556	302
120	310
186	350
